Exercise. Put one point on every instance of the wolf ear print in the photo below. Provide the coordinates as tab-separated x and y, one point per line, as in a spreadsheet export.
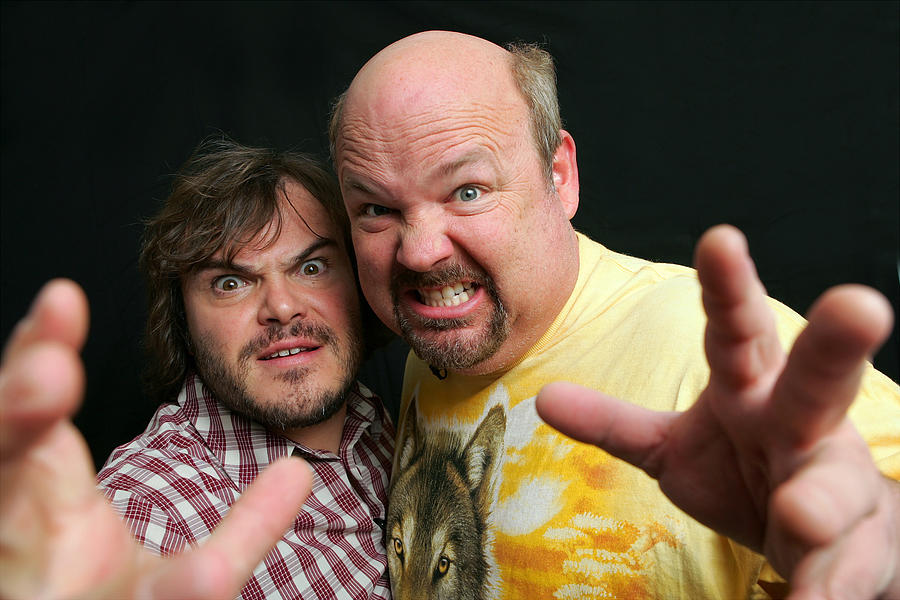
481	455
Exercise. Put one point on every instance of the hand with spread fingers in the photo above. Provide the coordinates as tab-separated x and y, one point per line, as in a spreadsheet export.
767	454
59	537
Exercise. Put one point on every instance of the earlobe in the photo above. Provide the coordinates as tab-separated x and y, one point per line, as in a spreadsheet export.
565	173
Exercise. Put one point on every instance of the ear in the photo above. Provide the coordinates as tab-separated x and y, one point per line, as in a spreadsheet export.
565	173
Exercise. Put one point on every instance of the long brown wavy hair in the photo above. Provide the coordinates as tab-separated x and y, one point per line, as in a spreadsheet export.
223	196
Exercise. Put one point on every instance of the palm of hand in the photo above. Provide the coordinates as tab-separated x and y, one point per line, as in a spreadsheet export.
51	510
766	455
59	537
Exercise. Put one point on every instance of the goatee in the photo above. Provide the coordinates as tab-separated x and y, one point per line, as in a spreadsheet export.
450	352
303	403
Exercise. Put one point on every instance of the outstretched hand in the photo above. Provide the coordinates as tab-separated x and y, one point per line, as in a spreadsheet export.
59	537
767	455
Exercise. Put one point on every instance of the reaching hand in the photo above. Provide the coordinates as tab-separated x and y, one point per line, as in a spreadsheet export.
59	538
767	455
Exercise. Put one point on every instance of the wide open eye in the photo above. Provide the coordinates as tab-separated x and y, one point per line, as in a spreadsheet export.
228	283
313	267
468	193
398	547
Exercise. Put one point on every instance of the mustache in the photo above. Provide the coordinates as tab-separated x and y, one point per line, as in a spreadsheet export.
317	332
404	278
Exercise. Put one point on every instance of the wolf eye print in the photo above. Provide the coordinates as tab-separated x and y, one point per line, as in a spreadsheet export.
467	193
443	565
228	283
398	547
313	267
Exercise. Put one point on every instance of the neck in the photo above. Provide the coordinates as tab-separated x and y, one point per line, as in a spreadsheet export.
321	436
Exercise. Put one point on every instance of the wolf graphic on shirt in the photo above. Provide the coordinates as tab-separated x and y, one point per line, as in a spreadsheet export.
488	502
438	517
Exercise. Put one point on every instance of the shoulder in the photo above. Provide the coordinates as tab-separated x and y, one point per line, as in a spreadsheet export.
663	296
169	438
162	465
169	491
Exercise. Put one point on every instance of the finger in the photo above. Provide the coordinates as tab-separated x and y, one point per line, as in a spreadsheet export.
59	313
824	498
39	386
859	564
222	565
822	376
741	341
624	430
59	538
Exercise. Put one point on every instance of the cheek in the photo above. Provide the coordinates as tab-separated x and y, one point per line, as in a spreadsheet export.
209	337
347	305
492	243
196	322
374	259
376	289
373	251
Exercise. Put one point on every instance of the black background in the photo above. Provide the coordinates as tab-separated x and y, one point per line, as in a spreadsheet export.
779	118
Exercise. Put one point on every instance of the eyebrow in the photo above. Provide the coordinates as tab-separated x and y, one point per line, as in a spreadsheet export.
354	182
473	156
214	264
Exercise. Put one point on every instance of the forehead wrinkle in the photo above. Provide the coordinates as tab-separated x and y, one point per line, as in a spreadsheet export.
246	261
376	147
398	128
438	160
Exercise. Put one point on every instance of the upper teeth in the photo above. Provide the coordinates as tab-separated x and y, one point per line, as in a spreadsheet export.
285	352
446	296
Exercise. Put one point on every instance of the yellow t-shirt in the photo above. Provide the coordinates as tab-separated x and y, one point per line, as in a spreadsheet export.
489	502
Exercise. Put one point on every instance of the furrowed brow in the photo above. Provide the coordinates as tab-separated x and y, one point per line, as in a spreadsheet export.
313	248
219	264
353	183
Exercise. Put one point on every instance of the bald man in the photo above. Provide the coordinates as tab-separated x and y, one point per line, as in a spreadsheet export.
460	185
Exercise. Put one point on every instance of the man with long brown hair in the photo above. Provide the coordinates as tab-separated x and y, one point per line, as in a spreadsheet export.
254	337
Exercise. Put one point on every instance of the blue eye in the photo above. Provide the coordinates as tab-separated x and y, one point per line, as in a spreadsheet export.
228	283
375	210
313	267
468	193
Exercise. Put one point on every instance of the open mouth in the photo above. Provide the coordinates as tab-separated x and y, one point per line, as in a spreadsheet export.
288	352
449	295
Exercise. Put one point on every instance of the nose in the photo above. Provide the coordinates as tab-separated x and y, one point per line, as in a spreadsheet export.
281	302
424	243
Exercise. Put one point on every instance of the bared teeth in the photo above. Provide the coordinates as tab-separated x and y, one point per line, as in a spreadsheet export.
448	295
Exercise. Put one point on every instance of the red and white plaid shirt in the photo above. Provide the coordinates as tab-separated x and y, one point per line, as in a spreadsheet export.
175	482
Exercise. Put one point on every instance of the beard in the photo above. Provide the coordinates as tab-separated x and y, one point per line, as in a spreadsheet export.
453	352
302	403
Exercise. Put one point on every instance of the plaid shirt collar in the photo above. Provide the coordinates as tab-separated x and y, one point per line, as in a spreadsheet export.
244	447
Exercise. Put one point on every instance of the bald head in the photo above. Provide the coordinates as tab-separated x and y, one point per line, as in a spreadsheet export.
457	177
428	54
448	65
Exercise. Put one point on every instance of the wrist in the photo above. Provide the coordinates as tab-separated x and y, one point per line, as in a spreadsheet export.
893	587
